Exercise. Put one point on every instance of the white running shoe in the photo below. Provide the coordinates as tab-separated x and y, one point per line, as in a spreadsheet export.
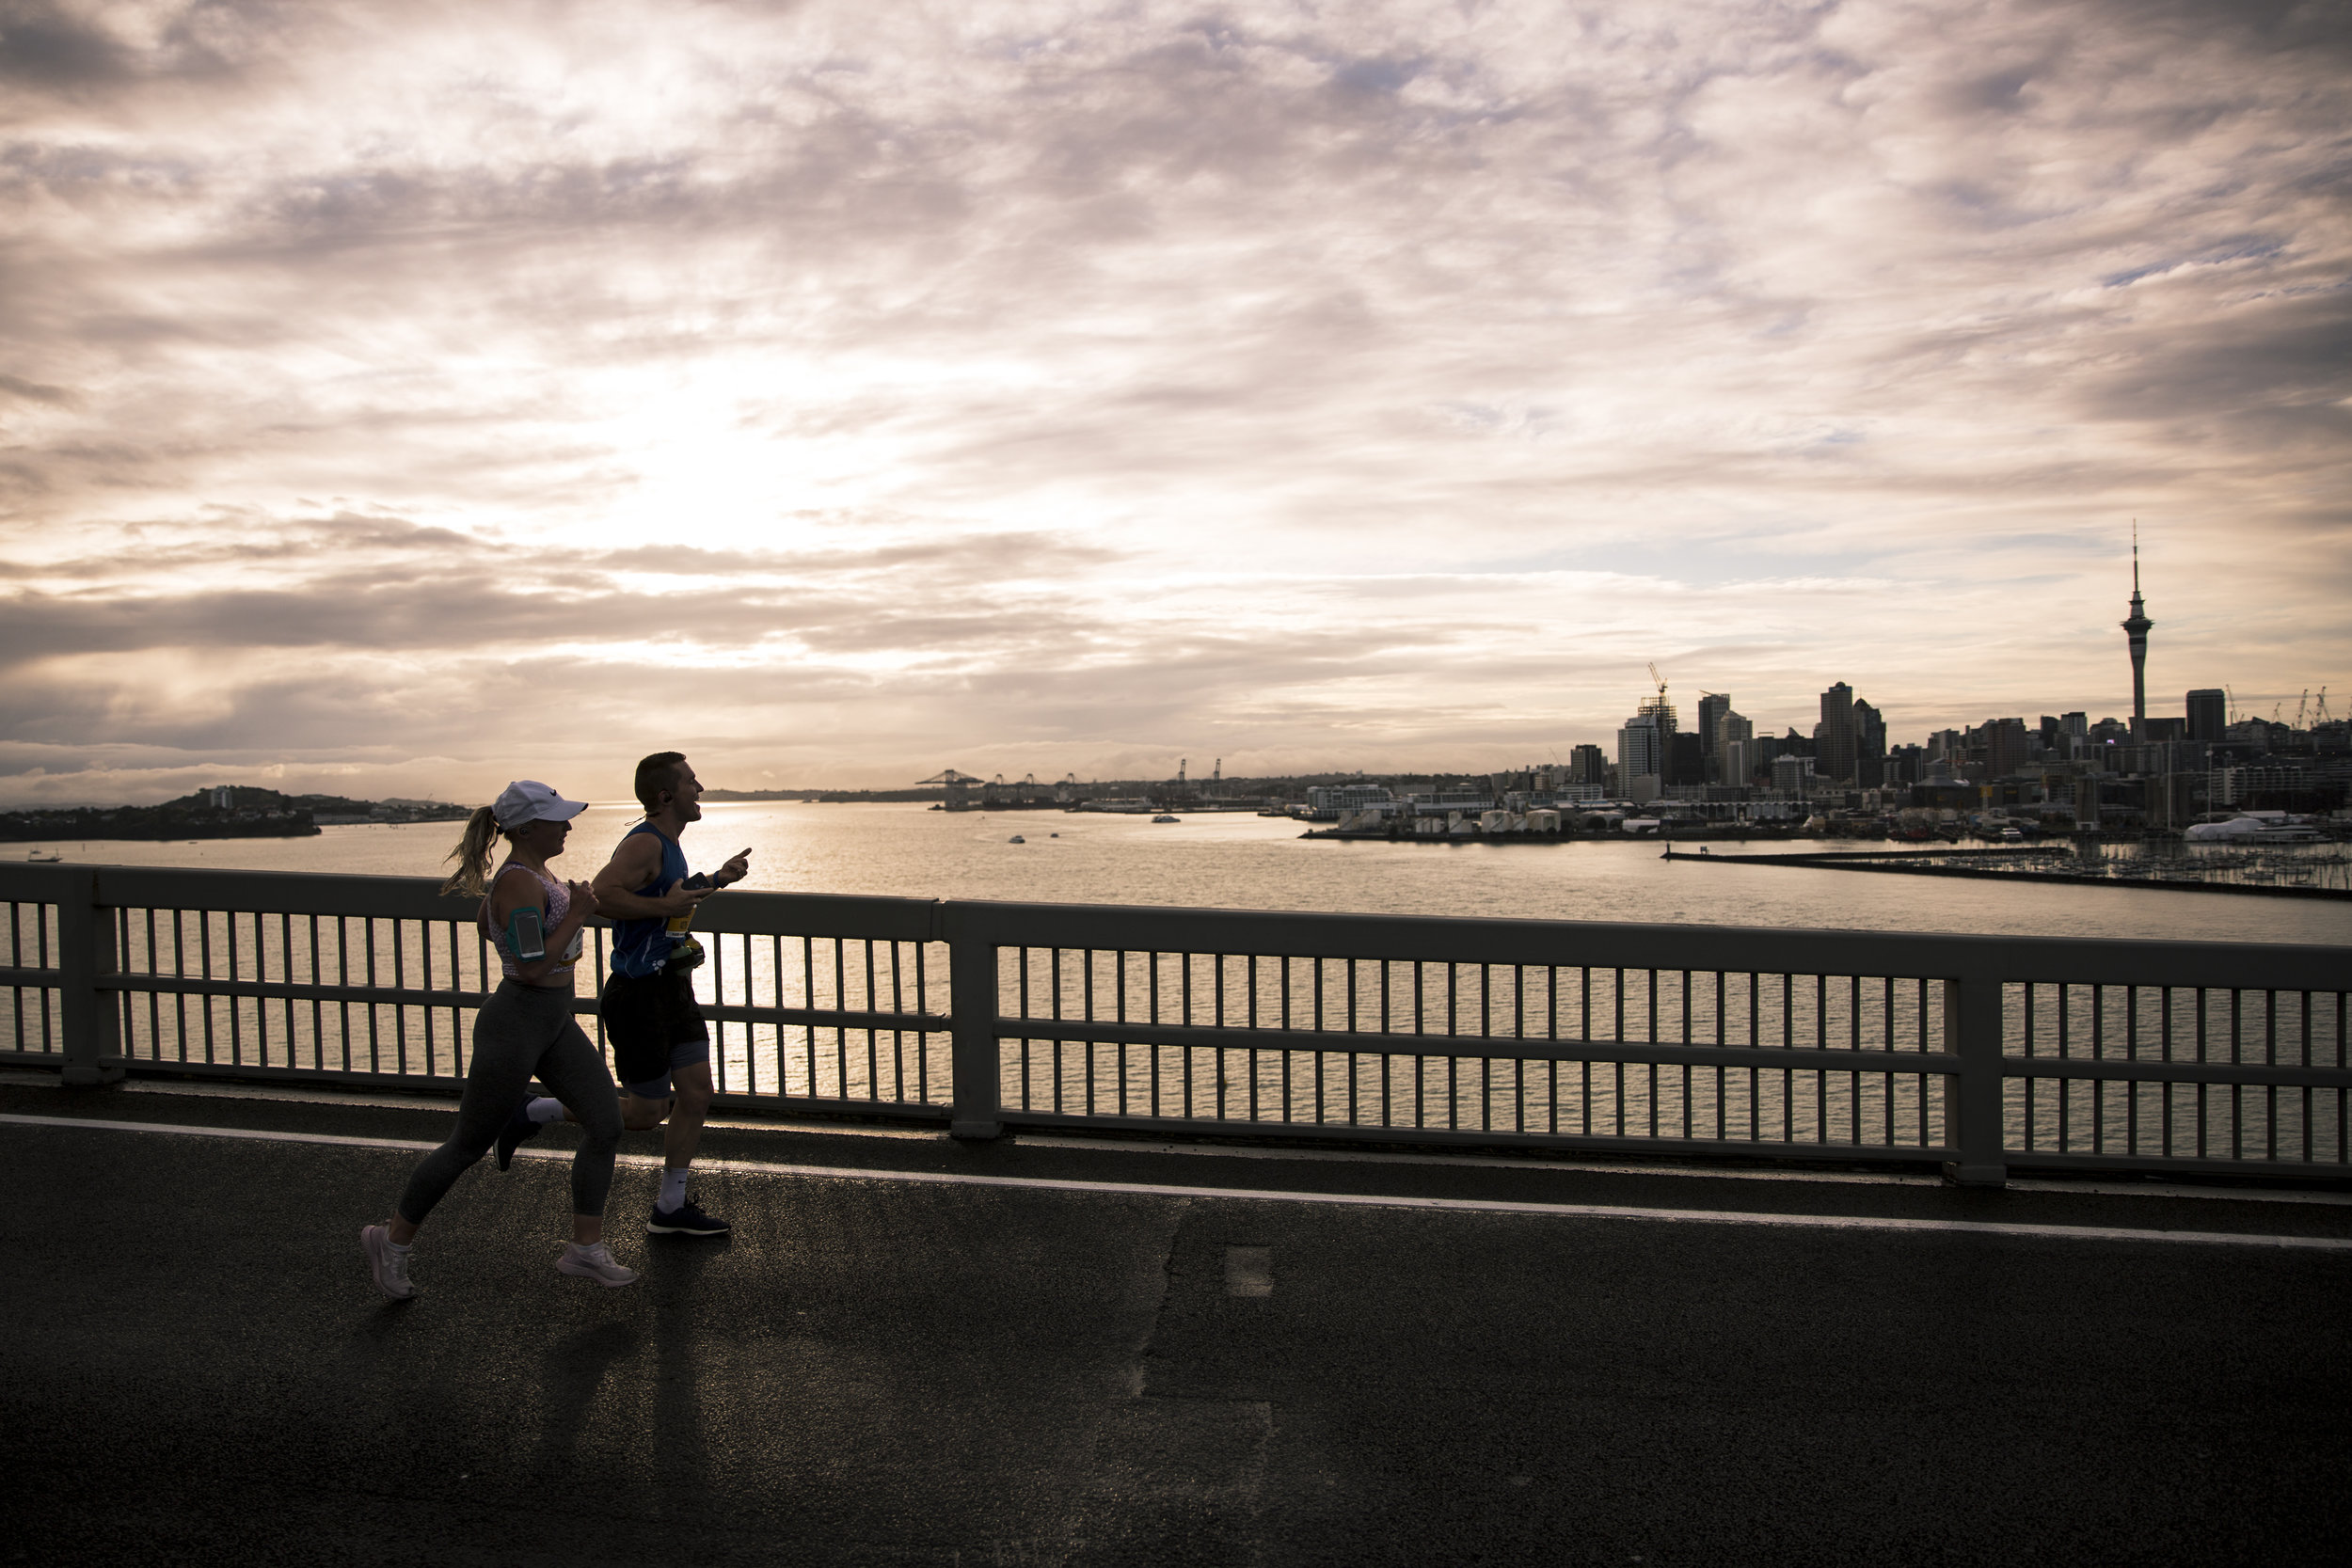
389	1268
595	1262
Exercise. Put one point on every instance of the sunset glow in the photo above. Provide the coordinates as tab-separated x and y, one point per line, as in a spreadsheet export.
431	394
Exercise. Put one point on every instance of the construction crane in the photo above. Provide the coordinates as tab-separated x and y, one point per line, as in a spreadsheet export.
2302	706
1661	680
959	787
2231	691
2321	716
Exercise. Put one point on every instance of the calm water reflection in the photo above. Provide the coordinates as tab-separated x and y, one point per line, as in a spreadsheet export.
1247	861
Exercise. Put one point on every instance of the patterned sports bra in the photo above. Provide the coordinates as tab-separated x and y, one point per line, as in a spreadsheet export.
558	904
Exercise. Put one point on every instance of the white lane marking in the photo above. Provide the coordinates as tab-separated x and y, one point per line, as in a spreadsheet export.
1349	1201
1489	1162
2162	1189
1232	1152
1593	1167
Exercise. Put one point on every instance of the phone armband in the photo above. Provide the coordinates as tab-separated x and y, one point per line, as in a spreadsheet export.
525	937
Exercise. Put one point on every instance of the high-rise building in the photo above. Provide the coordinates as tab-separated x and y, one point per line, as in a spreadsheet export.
1731	730
2004	747
1589	764
1685	762
1662	713
1641	748
2208	713
1869	745
2136	628
2074	733
1836	735
1713	707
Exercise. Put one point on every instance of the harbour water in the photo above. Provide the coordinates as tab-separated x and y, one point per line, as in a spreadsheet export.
1247	862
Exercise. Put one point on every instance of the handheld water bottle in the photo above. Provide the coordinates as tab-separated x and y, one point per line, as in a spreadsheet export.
685	952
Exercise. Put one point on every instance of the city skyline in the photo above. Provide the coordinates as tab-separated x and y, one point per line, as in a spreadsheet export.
412	398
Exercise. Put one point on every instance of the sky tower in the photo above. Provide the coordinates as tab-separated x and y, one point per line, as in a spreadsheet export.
2136	629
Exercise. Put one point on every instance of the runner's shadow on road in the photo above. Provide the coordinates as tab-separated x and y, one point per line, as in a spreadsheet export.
572	1378
688	1331
673	1262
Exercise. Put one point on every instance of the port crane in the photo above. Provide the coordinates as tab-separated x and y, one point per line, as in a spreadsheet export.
959	787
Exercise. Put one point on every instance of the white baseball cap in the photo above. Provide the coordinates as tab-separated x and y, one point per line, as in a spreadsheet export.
529	800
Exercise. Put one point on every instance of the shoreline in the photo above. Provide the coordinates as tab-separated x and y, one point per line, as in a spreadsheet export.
1850	860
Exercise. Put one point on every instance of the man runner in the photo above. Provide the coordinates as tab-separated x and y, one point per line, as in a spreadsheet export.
660	1046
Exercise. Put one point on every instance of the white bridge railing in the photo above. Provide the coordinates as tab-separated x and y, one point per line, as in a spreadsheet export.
1976	1053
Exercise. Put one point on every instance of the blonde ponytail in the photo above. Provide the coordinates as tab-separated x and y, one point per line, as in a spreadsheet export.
472	855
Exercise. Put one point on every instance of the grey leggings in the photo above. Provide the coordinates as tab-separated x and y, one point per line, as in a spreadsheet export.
520	1031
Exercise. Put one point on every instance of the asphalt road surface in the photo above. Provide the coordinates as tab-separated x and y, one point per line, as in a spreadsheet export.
1041	1354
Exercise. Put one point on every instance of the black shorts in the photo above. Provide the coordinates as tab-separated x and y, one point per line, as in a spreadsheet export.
647	1019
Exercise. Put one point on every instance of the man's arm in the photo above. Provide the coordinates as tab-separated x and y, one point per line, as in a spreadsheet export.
636	863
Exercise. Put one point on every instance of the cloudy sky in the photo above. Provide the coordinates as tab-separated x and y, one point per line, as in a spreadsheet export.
400	397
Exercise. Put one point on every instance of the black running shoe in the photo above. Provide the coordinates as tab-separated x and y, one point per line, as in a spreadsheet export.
685	1220
520	1129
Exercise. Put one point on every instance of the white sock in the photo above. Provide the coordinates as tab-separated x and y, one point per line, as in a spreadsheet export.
399	1249
546	1108
672	1189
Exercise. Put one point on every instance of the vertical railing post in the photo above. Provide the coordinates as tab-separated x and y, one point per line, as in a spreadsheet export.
976	1111
91	1016
1972	1032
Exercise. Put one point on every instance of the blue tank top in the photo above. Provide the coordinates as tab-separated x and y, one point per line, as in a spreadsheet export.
642	948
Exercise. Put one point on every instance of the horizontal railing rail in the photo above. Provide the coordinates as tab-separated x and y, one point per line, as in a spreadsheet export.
1979	1053
375	980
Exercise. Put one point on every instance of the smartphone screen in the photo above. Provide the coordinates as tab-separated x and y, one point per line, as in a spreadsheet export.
523	929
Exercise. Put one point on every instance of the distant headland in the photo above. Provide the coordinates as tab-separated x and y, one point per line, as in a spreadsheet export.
228	811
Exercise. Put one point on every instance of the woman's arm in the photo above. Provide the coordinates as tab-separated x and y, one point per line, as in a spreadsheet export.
516	889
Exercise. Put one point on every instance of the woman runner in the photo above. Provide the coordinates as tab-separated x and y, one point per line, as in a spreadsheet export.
525	1029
